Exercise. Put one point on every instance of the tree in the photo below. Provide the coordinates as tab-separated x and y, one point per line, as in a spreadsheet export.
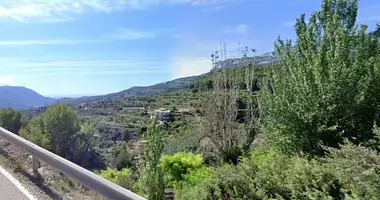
61	124
82	147
219	125
10	119
325	87
152	176
36	133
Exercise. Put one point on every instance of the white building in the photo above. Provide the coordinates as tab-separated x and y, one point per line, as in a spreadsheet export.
161	114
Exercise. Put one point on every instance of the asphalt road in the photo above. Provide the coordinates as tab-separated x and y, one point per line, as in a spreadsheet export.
9	191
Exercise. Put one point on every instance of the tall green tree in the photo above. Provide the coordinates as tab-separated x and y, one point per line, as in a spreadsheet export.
326	86
10	119
36	132
152	182
61	124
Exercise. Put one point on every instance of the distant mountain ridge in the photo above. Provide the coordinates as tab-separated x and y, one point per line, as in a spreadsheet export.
22	98
168	86
177	84
265	59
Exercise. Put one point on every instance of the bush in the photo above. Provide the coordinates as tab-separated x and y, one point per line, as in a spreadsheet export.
123	177
198	175
179	165
349	173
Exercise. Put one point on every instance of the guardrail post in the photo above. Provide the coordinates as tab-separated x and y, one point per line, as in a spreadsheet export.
35	165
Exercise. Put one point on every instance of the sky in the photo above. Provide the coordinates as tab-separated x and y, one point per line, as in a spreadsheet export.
91	47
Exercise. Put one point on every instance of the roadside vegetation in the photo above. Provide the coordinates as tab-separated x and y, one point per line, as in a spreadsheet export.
303	128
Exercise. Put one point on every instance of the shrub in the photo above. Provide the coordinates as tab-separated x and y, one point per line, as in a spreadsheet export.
198	175
179	165
123	177
349	173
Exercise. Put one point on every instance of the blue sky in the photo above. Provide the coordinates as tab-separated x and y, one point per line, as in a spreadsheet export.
91	47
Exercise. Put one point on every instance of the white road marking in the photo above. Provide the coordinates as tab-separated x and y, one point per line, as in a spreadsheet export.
17	184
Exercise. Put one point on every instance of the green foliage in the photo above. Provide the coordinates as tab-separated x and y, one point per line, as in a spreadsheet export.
59	130
358	170
37	134
151	182
123	159
179	165
118	156
10	119
123	177
61	124
349	173
82	147
198	175
185	143
325	87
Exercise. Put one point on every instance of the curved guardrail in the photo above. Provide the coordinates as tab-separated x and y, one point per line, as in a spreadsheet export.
89	179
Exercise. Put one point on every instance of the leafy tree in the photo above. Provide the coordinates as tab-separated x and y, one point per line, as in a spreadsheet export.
61	124
325	87
59	130
36	133
10	119
152	182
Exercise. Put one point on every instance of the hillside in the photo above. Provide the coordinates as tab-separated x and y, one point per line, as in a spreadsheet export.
169	86
177	84
264	59
21	98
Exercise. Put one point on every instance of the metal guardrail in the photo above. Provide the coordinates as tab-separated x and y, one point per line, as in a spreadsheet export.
89	179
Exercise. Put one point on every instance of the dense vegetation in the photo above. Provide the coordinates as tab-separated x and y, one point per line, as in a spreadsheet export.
304	127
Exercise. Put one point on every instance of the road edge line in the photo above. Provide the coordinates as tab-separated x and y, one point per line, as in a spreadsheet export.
16	183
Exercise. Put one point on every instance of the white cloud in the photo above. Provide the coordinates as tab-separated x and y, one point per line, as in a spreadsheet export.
84	63
6	81
134	34
239	29
44	42
183	67
83	68
63	10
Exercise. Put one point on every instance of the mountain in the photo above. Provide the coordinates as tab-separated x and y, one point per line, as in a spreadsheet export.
22	98
177	84
265	59
169	86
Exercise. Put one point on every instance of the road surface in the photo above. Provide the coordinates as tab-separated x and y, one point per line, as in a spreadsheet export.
8	190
